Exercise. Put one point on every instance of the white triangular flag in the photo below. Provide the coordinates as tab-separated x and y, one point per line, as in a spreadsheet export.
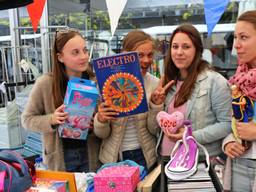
115	9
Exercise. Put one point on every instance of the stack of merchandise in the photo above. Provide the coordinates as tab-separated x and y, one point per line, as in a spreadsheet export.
33	145
21	99
184	172
200	181
10	136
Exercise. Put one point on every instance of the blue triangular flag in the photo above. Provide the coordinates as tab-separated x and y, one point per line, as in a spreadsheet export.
213	10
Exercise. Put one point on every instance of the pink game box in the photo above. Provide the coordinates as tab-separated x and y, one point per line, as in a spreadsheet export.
117	179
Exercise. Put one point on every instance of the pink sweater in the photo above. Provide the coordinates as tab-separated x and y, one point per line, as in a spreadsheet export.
167	144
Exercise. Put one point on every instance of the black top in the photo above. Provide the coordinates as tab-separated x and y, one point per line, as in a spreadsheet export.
8	4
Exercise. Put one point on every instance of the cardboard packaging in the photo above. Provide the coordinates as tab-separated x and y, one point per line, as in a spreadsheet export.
151	182
49	185
80	101
58	175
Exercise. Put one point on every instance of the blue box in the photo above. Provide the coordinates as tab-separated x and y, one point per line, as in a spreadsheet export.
80	101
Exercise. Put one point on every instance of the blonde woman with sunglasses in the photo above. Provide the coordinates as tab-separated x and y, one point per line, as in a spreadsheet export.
44	111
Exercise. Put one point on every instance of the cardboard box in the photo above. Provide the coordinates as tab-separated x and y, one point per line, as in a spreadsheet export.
59	175
117	179
80	101
49	185
151	181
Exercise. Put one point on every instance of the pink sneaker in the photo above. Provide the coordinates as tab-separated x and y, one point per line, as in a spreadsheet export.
184	157
170	122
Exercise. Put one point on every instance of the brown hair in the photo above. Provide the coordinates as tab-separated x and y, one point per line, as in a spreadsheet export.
171	72
60	78
248	16
136	38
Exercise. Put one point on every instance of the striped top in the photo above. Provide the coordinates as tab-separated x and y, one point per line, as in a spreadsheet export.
130	140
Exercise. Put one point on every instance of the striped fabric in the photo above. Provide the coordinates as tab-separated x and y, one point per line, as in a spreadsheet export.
130	140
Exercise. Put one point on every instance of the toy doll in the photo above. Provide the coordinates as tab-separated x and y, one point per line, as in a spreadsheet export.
242	107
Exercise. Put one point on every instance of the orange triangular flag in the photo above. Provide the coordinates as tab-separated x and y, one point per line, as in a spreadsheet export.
35	11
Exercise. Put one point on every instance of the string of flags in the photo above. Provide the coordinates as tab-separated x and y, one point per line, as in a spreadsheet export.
213	12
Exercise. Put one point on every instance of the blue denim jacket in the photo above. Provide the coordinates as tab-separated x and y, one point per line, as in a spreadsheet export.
209	109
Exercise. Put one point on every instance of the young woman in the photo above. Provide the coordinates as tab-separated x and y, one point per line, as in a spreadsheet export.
244	161
193	88
190	86
131	137
45	110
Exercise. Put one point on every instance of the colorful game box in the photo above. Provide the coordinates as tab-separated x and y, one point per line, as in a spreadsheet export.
121	83
48	185
80	101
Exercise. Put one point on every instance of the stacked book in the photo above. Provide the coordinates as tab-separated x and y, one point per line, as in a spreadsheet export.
200	181
33	145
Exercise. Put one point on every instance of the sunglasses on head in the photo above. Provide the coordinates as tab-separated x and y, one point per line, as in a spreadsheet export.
59	32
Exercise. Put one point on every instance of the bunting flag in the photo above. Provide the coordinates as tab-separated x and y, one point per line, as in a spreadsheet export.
115	9
35	11
213	10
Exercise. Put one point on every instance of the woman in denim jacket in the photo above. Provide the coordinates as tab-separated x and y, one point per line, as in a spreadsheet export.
190	86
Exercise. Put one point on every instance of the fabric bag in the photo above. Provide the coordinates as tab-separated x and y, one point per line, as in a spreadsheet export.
14	172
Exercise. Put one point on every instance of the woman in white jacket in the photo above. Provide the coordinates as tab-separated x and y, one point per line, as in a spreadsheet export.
244	161
132	137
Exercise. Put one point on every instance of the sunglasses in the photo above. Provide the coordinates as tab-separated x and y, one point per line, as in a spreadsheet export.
63	31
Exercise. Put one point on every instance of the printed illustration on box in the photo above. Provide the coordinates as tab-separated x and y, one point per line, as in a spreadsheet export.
115	179
80	101
47	185
121	83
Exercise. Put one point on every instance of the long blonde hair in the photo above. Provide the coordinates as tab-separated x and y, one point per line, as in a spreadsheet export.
136	38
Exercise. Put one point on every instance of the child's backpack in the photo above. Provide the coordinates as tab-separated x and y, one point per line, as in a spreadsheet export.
14	172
